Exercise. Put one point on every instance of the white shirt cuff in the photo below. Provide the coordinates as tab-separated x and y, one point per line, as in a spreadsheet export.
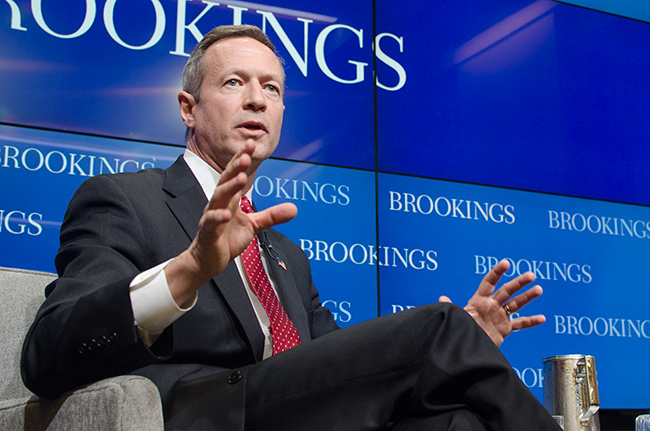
154	307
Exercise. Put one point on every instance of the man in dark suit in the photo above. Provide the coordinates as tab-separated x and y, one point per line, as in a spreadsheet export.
152	282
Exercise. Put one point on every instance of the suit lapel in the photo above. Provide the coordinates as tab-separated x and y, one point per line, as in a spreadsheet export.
230	284
186	201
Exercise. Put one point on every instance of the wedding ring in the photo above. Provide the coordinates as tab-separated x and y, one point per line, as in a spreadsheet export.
506	307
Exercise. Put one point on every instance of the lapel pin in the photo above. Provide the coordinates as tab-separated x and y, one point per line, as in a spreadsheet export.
281	263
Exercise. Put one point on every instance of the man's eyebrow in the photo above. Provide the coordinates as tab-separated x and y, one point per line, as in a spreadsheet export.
243	72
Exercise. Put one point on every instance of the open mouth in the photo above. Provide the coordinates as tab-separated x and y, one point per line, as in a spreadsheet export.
253	126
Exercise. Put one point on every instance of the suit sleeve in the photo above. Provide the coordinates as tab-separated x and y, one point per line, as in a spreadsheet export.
85	329
321	318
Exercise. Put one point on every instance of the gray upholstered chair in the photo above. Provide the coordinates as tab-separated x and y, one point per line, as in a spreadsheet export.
119	403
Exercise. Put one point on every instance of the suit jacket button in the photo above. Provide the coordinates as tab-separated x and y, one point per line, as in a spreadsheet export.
234	377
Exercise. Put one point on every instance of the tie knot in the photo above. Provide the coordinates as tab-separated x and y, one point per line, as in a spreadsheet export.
245	205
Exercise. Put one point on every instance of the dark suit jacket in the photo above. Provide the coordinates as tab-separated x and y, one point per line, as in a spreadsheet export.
117	226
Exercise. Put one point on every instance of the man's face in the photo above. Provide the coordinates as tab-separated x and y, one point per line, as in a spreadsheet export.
241	100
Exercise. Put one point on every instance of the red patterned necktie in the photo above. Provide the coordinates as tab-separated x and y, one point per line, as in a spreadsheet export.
285	335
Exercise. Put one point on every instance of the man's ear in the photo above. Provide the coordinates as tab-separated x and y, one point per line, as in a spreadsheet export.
187	102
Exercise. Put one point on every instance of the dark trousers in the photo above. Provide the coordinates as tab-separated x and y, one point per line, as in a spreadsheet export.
428	368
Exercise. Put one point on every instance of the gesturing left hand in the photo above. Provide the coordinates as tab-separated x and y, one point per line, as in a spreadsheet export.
490	310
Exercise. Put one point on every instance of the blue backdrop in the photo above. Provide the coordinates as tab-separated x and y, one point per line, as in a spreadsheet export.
468	133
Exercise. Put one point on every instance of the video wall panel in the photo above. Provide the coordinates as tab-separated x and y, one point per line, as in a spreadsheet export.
113	68
335	226
39	172
589	256
535	95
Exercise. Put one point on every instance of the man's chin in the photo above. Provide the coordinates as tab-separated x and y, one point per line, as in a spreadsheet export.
262	151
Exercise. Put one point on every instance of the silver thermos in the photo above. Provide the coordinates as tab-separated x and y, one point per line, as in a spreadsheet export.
571	392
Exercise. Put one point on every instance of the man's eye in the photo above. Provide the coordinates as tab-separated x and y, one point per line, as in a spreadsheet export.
231	82
272	88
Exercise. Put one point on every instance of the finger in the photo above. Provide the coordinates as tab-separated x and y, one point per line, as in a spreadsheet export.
240	162
491	279
272	216
444	298
227	194
210	220
518	302
513	286
527	322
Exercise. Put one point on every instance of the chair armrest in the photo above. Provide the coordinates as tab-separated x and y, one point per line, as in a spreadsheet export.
121	403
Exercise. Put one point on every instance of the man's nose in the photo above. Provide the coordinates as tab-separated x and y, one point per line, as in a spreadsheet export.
254	97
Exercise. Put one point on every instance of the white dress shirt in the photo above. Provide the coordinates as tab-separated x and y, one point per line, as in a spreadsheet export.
154	307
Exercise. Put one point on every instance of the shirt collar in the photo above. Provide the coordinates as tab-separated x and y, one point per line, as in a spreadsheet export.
205	174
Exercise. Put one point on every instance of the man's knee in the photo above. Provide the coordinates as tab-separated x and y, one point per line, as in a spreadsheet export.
446	311
465	420
455	420
444	307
